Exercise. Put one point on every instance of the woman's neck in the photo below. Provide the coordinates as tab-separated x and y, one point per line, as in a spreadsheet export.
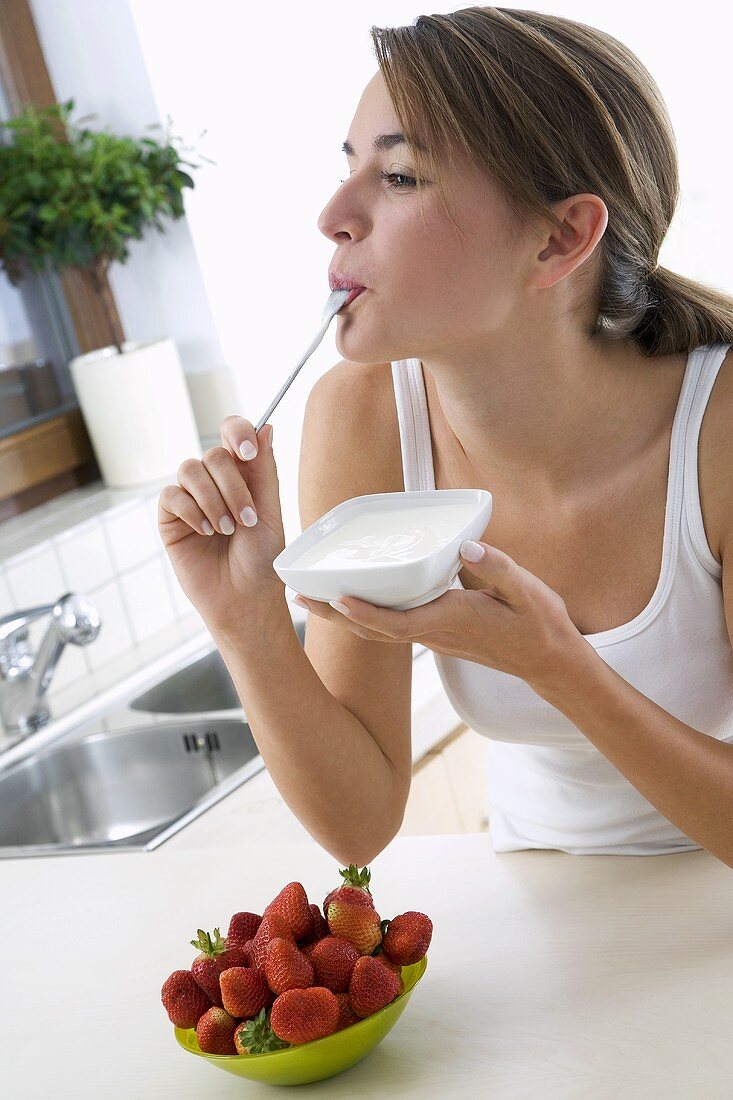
552	417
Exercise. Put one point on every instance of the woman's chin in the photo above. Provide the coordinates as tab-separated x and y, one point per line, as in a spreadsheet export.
360	349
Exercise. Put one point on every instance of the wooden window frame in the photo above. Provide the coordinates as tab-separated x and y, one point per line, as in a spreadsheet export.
54	456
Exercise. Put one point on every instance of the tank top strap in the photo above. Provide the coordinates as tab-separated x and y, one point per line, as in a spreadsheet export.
707	360
414	424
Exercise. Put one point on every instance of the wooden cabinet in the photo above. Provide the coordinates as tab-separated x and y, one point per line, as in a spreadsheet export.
448	793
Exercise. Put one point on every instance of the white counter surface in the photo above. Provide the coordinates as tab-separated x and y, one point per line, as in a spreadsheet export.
549	975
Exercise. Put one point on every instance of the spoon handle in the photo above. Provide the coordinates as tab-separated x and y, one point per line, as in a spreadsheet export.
333	305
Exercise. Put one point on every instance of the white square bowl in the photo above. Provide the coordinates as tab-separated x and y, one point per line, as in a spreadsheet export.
399	585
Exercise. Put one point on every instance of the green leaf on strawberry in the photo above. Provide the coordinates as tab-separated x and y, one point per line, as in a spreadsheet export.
256	1036
208	946
352	876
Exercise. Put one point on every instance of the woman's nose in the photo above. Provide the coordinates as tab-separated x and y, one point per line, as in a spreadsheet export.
340	215
329	221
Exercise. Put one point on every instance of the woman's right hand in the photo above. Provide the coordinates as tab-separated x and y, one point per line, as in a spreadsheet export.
226	575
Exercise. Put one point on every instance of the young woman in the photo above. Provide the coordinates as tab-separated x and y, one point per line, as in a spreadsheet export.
512	176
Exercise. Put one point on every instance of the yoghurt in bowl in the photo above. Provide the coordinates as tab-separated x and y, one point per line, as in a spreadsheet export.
398	550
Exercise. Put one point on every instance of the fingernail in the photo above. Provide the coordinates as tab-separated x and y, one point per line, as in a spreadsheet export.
249	517
340	607
208	529
271	434
227	525
248	450
472	551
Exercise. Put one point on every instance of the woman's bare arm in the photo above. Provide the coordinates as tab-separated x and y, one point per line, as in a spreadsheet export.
332	721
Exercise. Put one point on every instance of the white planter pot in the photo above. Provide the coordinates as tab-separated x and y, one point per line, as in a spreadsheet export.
137	410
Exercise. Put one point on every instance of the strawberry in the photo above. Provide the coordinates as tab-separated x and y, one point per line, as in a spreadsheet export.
355	887
393	966
320	926
257	1037
215	1032
382	958
301	1015
292	905
307	948
333	960
286	967
408	937
356	923
244	991
272	925
215	956
242	927
183	999
347	1016
373	985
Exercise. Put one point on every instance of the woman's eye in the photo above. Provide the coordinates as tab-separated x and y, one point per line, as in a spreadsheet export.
393	177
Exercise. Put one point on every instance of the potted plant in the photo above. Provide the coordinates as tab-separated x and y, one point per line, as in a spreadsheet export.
73	197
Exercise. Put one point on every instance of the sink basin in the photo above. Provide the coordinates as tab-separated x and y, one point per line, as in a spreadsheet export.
128	789
202	685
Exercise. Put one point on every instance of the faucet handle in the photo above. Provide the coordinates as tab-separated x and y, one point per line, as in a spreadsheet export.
76	618
14	627
25	674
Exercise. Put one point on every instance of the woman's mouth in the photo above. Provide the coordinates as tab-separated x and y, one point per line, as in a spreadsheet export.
354	294
340	281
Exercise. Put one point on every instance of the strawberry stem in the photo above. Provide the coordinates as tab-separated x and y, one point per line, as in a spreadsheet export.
209	947
352	876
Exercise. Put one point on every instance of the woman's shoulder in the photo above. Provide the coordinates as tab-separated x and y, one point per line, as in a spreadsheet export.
351	436
361	398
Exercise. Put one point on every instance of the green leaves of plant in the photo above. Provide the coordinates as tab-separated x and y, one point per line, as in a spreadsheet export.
75	196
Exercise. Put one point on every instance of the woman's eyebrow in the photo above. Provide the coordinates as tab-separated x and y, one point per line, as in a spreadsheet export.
383	141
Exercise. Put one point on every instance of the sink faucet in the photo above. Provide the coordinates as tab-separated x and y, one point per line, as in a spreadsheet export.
25	675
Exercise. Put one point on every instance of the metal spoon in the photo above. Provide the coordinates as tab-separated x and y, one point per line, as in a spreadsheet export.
335	301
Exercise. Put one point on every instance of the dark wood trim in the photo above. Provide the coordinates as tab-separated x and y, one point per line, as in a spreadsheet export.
40	455
26	80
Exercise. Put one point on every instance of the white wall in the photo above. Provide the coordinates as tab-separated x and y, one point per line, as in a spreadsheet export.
275	88
94	57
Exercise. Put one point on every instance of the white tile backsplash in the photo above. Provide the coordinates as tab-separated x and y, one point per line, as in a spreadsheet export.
151	505
85	556
104	544
115	633
147	599
73	663
7	604
35	576
131	537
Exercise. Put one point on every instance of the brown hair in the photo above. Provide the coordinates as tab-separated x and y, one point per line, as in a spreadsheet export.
552	108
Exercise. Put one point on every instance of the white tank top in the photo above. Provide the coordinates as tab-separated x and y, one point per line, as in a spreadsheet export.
547	784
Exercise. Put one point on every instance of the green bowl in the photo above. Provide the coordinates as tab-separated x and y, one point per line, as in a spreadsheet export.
306	1062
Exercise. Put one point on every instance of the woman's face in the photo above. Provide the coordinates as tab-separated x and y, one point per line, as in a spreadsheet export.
428	291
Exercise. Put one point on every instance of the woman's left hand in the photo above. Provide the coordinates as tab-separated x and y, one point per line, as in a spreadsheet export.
514	623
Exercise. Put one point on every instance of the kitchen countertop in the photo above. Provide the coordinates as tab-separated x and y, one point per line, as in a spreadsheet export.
549	975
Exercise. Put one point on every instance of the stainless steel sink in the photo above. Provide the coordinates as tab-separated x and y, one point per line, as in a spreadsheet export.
202	685
110	781
130	789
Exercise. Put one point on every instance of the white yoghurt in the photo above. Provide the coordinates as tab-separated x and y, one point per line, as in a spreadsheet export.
389	536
